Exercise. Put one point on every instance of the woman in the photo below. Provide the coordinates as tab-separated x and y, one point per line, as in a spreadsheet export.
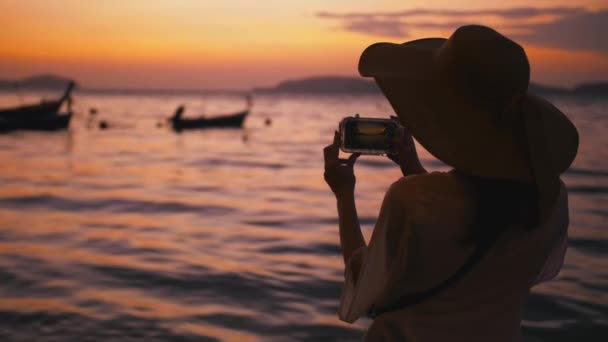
453	255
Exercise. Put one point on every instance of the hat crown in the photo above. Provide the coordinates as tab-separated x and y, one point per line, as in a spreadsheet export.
491	68
465	100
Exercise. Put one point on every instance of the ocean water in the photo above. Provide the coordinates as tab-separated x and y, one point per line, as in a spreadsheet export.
136	233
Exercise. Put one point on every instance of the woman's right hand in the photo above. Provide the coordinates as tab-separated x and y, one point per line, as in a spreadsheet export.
339	174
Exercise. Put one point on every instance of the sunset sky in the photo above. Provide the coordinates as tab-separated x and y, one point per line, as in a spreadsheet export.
238	44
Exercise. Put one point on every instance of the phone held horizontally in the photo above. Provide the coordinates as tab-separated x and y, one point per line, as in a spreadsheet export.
367	135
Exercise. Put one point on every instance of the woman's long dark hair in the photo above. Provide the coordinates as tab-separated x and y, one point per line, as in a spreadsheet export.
501	205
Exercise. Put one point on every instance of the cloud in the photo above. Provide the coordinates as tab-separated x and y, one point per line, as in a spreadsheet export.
584	31
387	28
573	28
509	13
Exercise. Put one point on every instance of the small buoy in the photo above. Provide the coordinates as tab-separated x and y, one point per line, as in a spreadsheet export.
159	124
103	125
268	121
245	137
93	111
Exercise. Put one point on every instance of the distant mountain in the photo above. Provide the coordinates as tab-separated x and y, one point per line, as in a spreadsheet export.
352	85
592	89
547	90
36	82
324	85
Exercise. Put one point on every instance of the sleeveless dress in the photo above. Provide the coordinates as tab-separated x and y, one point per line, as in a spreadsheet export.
417	243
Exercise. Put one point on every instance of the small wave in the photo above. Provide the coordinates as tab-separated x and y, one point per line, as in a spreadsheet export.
121	247
377	163
560	319
316	249
586	172
99	186
202	287
588	189
15	285
367	220
266	223
239	164
106	226
303	331
198	188
48	326
596	245
603	213
110	204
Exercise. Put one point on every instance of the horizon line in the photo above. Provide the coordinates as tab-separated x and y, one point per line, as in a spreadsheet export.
251	89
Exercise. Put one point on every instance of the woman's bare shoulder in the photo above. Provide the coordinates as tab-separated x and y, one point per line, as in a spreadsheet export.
433	182
437	197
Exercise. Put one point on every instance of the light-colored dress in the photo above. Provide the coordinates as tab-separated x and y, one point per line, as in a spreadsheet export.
417	244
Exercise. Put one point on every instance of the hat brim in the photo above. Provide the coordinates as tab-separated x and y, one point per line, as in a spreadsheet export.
446	122
453	130
413	60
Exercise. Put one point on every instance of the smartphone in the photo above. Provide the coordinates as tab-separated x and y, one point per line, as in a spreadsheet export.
367	135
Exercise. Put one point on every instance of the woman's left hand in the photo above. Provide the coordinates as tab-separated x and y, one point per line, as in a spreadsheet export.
339	174
405	154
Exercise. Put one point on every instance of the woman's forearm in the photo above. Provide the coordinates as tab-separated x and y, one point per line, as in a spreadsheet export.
351	237
411	165
407	156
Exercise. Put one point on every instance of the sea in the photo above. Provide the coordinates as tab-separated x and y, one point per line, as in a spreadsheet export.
139	233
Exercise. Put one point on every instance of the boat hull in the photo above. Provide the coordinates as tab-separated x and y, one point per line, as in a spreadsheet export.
227	121
42	109
31	111
40	123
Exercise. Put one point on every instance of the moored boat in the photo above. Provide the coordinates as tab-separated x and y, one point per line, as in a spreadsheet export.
52	122
234	120
45	108
229	120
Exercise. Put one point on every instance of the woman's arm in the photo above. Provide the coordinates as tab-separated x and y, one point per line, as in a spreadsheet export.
406	155
351	237
340	177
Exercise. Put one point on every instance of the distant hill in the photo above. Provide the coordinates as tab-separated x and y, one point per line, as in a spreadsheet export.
36	82
321	85
547	90
592	89
352	85
324	85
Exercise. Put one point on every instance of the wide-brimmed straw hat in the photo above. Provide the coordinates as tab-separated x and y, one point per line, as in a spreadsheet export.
466	100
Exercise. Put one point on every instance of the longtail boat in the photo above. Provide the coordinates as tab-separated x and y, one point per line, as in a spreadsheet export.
52	122
234	120
45	108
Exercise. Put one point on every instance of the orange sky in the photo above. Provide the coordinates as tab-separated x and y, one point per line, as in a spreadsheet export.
238	44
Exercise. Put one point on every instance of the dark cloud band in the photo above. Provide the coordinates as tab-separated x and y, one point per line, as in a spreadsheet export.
513	13
573	28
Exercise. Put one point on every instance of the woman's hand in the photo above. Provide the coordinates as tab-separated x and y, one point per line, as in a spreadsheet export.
339	173
403	145
405	154
340	177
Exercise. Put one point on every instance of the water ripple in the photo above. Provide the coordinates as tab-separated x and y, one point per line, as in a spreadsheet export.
117	205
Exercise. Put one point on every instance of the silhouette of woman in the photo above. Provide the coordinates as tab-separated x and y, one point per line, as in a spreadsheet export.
454	254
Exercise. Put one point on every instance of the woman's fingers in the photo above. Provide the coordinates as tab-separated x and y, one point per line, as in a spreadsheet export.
352	159
329	155
336	139
330	152
401	132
